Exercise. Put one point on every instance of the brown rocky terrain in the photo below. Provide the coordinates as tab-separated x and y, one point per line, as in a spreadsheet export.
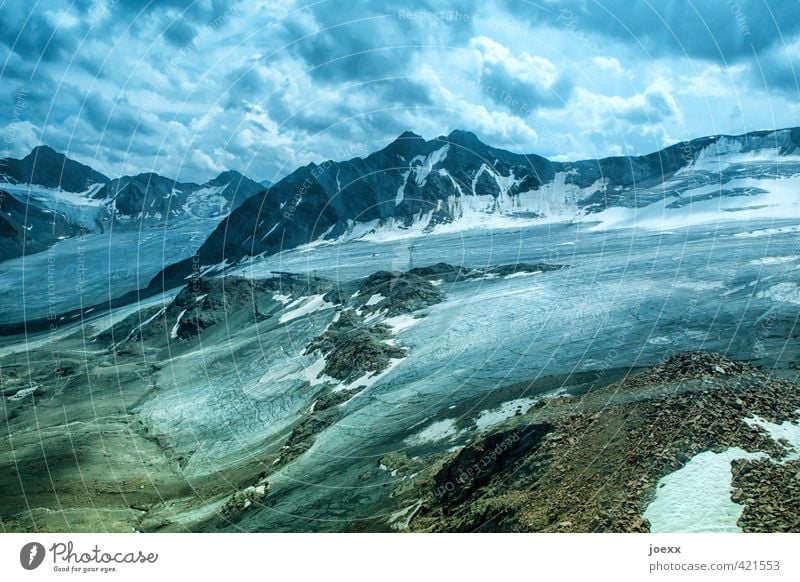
592	463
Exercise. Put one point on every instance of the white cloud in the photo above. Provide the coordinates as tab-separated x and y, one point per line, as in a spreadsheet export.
608	64
525	68
598	111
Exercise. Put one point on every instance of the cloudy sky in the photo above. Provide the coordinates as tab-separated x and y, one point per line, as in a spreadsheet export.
188	88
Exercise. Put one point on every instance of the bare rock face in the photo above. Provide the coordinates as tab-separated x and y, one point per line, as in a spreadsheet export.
597	458
396	293
475	464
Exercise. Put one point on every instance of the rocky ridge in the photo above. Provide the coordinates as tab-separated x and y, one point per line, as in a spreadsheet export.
593	462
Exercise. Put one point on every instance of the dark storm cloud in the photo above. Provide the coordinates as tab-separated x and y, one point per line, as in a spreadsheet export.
13	67
367	40
341	51
244	86
105	116
180	33
719	30
51	100
779	69
35	35
192	11
406	92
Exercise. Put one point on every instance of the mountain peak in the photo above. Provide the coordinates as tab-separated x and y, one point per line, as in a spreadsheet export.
463	137
227	176
409	135
405	144
47	167
44	151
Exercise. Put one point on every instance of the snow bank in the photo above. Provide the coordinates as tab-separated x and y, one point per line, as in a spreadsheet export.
697	498
312	304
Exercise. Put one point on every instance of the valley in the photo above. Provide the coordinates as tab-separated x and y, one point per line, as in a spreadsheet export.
571	357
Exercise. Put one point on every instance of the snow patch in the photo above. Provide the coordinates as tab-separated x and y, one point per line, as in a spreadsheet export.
488	419
24	393
284	299
521	274
367	380
421	172
401	190
312	304
399	323
697	497
375	299
441	430
174	333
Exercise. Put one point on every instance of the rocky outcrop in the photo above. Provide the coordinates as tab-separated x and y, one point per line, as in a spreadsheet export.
395	293
206	302
597	467
245	499
476	464
352	348
770	494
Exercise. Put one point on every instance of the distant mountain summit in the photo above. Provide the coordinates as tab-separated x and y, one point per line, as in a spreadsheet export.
150	196
457	182
46	167
47	197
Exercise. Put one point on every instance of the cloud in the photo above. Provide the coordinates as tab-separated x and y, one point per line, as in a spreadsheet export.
119	117
180	33
718	30
38	36
608	64
653	105
186	87
506	76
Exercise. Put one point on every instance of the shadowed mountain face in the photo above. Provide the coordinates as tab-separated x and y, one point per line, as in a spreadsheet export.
152	196
418	185
46	167
26	229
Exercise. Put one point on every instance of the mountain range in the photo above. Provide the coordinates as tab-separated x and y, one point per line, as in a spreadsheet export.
635	315
412	186
458	182
48	197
